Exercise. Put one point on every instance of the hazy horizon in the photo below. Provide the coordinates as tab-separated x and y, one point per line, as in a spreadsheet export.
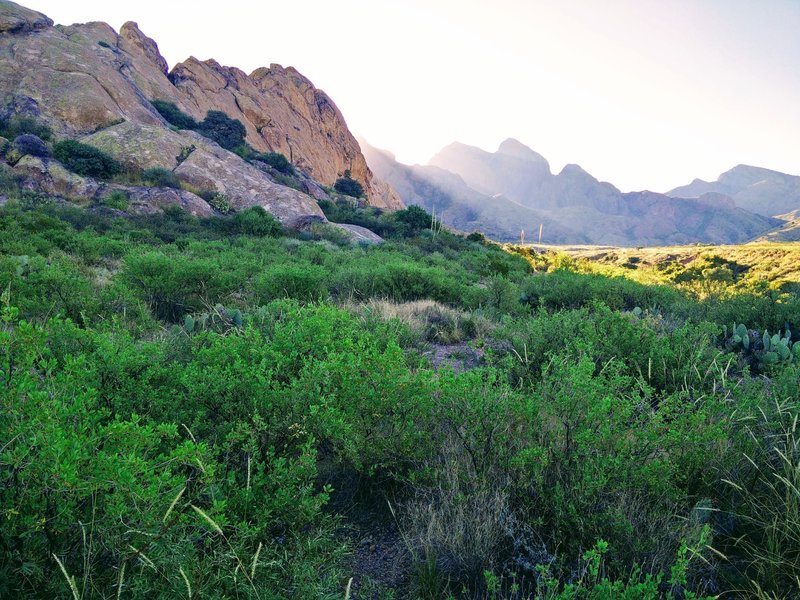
643	94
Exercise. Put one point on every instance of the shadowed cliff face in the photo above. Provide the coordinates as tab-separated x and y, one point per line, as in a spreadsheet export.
521	191
86	78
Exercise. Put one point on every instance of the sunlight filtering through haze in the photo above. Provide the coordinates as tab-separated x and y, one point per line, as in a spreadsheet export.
645	94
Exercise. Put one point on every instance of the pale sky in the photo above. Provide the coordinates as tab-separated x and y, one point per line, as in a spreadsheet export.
646	94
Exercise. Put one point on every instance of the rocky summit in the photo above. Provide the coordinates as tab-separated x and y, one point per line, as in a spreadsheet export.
91	83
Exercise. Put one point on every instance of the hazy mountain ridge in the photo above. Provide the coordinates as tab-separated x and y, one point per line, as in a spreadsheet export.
762	191
460	206
573	205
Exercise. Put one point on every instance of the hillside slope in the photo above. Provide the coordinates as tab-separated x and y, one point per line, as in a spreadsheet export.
87	80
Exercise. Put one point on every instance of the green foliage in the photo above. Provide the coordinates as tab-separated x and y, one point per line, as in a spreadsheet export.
219	202
117	199
228	133
19	125
257	221
765	352
415	218
186	152
160	177
306	283
348	186
173	115
276	160
85	160
207	404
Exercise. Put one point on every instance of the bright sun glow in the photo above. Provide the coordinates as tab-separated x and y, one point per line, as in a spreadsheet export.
643	93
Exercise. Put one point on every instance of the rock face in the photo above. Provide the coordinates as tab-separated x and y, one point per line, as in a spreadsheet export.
17	19
83	80
50	177
207	168
282	112
762	191
517	186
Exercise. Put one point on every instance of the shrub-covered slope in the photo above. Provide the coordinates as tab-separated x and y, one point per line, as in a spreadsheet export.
211	407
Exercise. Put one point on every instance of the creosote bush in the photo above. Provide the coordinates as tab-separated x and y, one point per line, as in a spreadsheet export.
348	186
86	160
228	133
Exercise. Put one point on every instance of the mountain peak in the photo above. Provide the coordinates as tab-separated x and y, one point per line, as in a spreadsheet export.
515	148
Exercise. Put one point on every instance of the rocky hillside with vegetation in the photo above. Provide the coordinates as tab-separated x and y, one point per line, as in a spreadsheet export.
217	131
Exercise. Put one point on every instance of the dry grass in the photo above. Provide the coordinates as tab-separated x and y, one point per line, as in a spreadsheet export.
769	507
428	319
454	528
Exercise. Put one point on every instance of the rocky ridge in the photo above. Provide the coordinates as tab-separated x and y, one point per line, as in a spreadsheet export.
763	191
87	81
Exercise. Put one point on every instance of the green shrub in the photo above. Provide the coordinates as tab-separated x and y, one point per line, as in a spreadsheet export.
175	285
220	202
306	283
18	125
117	199
173	115
228	133
348	186
86	160
257	221
276	160
160	177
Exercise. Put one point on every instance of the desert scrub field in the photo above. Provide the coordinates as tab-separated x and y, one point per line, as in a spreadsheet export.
212	408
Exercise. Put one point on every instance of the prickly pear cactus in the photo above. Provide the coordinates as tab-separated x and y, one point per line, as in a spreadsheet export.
766	351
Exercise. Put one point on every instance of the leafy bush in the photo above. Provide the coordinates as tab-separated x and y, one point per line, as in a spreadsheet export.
220	202
117	199
159	177
276	160
257	221
31	145
18	125
415	218
173	115
348	186
306	283
228	133
182	394
86	160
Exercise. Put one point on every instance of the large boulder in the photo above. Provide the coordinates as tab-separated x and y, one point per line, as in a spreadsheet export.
18	19
207	168
50	177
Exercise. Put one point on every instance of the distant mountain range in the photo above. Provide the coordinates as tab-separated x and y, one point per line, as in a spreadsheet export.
513	189
758	190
